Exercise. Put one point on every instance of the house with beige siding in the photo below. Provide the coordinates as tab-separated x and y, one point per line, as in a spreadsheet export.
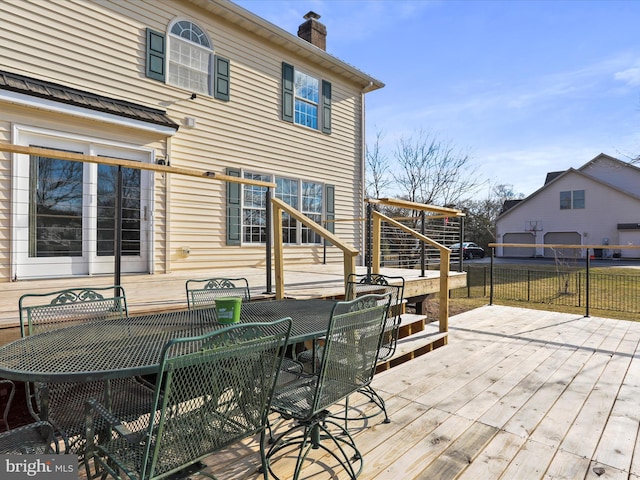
597	204
203	85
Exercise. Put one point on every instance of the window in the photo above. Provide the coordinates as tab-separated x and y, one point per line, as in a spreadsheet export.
287	191
254	211
304	97
302	195
578	199
572	200
191	63
189	57
306	100
312	208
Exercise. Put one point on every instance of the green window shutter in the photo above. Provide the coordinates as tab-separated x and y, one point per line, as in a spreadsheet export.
234	209
330	207
155	55
287	92
326	107
222	78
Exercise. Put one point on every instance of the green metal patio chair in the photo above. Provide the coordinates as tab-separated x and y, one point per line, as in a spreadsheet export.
348	363
33	438
203	293
212	391
62	404
364	284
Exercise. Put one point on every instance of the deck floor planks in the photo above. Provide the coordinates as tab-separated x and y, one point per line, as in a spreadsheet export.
463	451
559	400
494	458
567	466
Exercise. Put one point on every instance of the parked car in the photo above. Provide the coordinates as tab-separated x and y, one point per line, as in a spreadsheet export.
469	250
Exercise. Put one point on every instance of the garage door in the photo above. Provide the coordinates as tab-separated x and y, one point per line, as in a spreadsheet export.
521	237
563	238
630	238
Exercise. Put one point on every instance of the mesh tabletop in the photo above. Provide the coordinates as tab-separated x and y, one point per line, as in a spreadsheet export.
126	347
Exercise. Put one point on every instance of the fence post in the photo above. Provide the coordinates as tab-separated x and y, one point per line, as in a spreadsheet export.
528	285
490	276
587	285
484	281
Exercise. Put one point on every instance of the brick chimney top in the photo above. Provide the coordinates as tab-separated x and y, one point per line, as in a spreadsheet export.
313	31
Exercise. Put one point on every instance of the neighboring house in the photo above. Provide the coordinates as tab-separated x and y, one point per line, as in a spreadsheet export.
198	84
597	204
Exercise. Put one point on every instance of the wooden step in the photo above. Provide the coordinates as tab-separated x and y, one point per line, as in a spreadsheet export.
423	339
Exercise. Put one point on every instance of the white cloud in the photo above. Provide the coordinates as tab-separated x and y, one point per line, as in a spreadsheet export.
631	76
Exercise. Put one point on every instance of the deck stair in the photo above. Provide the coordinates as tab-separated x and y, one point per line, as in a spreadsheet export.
415	338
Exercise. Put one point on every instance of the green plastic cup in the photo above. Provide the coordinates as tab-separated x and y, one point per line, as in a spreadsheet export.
228	309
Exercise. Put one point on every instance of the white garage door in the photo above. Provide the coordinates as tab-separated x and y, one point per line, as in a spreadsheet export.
563	238
522	237
630	238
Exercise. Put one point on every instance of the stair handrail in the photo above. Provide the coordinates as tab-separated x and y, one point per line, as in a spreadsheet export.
445	252
349	252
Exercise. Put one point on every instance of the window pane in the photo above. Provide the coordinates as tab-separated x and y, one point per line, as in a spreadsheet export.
565	200
55	208
312	207
107	185
578	199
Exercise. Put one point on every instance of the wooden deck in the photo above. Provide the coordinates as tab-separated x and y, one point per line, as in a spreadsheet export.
517	394
147	293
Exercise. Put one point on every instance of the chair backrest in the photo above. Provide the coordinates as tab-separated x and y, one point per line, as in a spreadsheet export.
212	391
364	284
351	347
43	312
203	293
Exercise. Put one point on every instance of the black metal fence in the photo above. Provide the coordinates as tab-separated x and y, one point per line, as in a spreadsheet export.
562	287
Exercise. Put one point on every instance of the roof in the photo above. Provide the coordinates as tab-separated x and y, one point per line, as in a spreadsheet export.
552	175
509	204
275	35
60	93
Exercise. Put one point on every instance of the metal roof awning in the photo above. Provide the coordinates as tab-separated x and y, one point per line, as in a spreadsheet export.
34	87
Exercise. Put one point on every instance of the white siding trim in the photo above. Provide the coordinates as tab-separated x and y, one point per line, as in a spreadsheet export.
58	107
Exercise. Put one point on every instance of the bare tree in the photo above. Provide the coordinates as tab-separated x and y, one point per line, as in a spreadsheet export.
378	177
481	214
432	171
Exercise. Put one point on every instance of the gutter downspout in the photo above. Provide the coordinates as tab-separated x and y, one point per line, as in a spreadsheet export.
363	170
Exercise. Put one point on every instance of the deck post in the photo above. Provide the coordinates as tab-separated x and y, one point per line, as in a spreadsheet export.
278	251
445	258
377	238
268	222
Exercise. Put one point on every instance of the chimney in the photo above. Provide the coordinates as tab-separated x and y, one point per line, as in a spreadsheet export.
313	31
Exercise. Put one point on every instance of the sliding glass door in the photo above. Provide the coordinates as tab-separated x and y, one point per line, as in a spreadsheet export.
66	211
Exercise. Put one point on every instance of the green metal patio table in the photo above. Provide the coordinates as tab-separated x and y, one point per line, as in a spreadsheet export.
128	347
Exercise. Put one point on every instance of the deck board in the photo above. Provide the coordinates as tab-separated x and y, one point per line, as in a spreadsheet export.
515	394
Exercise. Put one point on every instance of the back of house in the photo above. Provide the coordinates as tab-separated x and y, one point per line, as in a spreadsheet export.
197	84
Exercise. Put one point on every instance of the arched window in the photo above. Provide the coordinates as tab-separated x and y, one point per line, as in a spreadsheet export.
190	54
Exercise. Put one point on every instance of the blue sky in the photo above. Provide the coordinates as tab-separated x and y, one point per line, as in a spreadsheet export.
524	87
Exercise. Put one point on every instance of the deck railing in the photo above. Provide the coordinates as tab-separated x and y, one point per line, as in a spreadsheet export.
568	283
